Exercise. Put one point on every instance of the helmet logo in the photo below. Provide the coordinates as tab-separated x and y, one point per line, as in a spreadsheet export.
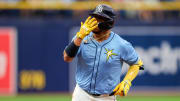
99	8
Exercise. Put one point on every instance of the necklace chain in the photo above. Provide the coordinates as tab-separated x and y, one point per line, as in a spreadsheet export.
100	37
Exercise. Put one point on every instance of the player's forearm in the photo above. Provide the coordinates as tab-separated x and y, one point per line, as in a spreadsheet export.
132	73
77	41
72	49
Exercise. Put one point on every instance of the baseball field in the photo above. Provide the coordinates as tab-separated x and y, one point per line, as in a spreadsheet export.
60	97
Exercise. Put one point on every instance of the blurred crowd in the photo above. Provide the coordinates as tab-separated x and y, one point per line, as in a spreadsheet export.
142	15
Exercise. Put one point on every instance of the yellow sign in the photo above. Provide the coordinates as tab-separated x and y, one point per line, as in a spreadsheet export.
89	5
32	79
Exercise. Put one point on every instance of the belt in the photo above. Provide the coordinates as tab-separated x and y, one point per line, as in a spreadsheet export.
103	95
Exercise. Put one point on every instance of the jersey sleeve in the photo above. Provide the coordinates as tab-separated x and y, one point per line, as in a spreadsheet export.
129	54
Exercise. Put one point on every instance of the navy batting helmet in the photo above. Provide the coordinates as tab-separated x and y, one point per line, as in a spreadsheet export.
106	13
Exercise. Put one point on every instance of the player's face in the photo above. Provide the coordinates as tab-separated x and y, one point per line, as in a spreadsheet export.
96	30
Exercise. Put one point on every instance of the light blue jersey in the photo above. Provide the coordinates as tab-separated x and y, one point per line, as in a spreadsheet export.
99	63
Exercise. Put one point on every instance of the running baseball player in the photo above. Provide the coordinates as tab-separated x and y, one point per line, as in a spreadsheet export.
100	54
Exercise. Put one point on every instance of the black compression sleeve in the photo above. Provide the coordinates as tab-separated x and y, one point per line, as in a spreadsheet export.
71	49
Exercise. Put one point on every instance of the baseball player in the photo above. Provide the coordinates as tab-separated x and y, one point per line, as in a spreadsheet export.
100	54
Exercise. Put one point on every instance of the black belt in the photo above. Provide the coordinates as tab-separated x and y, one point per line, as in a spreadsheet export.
101	94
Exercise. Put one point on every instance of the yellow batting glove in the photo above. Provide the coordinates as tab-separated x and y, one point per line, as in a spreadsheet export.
122	88
89	25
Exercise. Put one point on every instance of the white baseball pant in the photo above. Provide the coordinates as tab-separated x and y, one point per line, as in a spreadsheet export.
80	95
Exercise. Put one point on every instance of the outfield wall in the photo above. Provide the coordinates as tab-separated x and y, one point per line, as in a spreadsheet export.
40	44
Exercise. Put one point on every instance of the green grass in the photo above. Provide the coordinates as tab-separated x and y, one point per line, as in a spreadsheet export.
150	98
60	97
37	97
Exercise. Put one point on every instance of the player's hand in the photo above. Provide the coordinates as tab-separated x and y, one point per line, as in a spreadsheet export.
89	25
122	88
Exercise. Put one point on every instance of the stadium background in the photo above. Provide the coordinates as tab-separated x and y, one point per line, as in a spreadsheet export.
40	29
